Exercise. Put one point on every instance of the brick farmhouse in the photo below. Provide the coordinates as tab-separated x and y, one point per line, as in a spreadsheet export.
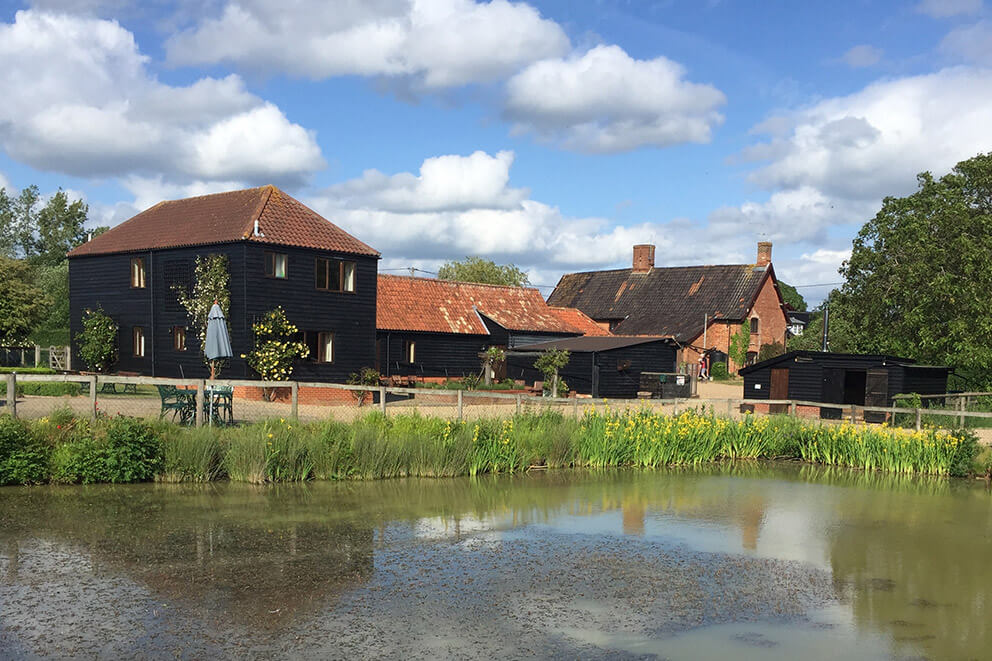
700	307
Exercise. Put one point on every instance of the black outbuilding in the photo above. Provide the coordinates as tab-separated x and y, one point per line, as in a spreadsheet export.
601	366
841	378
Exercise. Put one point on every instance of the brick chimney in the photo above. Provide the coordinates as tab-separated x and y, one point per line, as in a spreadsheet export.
643	258
764	253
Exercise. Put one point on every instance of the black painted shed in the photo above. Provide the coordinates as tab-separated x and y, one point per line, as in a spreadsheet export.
601	366
841	378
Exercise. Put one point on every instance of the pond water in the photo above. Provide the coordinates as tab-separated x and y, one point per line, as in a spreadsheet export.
755	561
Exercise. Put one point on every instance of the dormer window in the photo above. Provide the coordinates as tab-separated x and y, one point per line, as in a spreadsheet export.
275	265
137	273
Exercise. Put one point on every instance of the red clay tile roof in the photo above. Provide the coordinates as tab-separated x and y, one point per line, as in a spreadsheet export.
446	306
223	218
579	319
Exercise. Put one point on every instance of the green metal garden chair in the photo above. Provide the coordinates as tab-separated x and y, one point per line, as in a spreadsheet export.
180	403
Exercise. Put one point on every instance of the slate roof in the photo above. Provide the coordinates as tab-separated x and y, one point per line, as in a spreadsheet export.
579	319
224	218
815	355
668	301
587	344
446	306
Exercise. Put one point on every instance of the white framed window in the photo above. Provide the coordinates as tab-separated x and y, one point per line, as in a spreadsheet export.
409	351
276	265
138	342
137	273
334	275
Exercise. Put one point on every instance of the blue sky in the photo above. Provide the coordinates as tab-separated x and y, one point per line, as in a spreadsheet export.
551	134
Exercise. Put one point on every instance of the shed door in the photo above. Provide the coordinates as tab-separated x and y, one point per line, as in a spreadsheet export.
779	389
833	392
876	393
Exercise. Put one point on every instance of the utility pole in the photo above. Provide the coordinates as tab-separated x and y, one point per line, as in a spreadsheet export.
826	326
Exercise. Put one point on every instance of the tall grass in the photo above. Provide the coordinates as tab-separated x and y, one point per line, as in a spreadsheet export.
65	449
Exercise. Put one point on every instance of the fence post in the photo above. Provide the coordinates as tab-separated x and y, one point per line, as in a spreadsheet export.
37	355
382	399
201	387
93	382
294	400
68	358
519	400
460	409
575	407
730	408
963	405
12	394
919	419
854	413
792	408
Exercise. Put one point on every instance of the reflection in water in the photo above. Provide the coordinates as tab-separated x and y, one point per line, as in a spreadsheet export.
512	565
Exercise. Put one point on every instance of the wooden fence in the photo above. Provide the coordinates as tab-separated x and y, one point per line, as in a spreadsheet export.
509	402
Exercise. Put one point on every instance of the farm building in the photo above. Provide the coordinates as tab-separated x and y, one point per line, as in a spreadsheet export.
601	366
839	378
279	252
701	307
432	328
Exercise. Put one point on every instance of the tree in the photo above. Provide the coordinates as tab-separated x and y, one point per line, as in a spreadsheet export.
486	271
549	363
919	277
59	227
53	327
18	221
492	357
841	332
212	276
792	297
98	341
22	305
740	342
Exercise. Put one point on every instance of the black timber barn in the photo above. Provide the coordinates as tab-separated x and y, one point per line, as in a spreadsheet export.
280	253
433	329
607	366
840	378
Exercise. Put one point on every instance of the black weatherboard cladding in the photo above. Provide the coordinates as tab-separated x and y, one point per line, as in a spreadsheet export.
819	377
104	281
449	355
594	365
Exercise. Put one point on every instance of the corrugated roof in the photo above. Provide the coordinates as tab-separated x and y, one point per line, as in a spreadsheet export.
587	344
814	355
664	301
223	218
446	306
579	319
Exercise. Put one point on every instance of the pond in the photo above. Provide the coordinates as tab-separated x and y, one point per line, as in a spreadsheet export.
742	561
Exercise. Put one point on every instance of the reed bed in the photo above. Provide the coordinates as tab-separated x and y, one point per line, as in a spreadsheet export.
376	447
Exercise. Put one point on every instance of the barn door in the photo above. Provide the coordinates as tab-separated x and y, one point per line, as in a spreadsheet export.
779	389
876	393
833	392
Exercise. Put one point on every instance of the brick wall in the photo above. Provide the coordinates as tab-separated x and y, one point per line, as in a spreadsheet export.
772	324
307	395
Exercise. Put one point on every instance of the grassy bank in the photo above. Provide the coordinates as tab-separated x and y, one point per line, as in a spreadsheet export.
66	449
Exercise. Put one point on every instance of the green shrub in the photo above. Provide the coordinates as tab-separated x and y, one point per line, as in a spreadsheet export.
719	372
24	457
329	445
48	389
119	450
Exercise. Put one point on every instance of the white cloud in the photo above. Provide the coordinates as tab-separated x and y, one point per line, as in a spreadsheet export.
873	143
439	43
819	267
972	43
445	183
606	101
78	99
948	8
862	55
403	216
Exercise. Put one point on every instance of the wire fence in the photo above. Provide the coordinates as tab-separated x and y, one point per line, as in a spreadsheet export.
233	402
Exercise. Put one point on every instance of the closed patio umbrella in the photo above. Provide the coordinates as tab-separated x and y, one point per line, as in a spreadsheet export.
217	345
